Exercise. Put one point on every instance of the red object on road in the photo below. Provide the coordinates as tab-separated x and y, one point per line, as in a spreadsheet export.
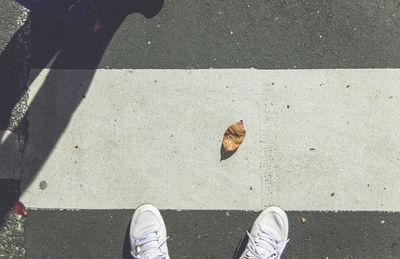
19	208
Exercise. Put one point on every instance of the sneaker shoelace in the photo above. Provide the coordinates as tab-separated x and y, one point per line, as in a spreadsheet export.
143	242
265	245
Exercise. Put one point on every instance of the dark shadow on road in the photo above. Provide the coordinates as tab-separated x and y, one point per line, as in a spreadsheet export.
241	246
126	249
57	46
9	192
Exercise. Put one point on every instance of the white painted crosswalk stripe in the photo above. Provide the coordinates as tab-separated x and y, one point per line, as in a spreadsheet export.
317	139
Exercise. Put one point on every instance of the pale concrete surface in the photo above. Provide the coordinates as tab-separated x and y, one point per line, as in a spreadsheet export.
9	155
154	136
143	136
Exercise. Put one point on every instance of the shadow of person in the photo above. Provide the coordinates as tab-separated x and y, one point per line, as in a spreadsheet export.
57	46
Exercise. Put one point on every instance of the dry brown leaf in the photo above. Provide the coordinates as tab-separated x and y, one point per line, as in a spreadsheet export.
234	136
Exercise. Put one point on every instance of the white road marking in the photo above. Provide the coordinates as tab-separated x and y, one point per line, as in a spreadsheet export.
316	139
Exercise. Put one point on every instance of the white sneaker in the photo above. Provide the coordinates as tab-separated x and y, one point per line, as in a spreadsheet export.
148	235
268	235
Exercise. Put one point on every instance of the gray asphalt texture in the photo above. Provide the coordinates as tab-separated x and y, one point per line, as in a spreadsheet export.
12	90
11	225
14	68
211	234
265	34
195	34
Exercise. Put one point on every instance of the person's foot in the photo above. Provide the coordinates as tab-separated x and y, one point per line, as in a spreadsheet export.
268	235
148	235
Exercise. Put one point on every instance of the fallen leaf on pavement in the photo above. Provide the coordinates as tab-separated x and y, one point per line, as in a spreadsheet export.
234	136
